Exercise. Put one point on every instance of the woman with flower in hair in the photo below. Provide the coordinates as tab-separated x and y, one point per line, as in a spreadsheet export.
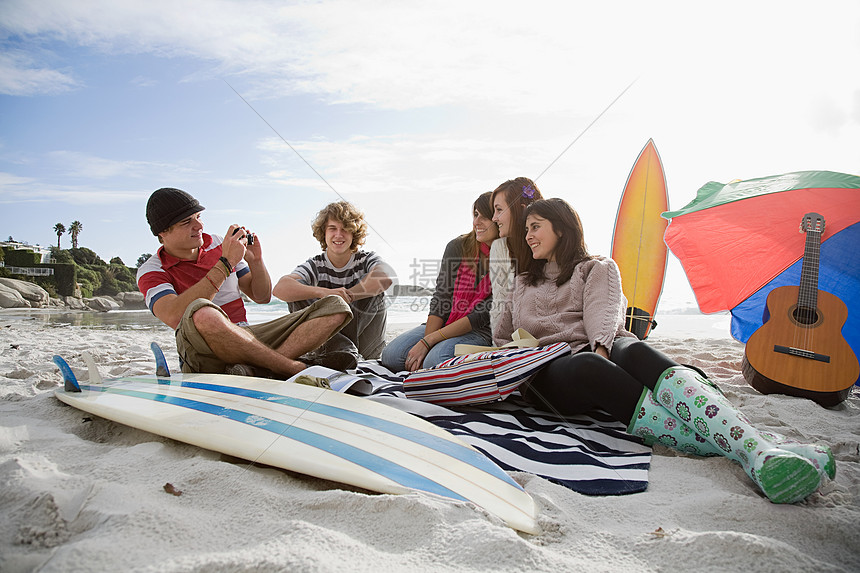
564	294
460	307
510	252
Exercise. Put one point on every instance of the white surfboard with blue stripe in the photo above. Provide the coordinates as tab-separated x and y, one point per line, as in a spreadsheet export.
309	430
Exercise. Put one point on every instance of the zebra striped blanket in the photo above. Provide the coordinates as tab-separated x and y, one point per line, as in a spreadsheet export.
590	455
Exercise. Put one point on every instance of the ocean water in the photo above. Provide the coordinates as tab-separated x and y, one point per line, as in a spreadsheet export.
680	321
403	312
114	320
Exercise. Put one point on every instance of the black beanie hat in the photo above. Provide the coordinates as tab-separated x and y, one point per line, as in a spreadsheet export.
167	206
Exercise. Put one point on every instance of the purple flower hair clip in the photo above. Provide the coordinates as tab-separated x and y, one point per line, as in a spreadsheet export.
528	191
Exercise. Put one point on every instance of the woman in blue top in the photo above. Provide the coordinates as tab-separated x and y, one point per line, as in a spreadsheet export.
460	307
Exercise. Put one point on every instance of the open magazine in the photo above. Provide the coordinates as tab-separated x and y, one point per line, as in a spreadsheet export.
520	339
343	381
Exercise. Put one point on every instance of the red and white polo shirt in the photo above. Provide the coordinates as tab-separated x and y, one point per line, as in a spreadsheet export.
165	274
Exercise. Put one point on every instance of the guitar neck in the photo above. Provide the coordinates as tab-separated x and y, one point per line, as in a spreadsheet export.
807	297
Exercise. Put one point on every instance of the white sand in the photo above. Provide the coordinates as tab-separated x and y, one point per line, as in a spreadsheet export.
81	494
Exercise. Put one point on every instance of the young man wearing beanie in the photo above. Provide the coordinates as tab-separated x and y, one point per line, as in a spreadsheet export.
193	285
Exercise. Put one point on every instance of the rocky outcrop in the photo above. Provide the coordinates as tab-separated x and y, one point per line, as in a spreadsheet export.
75	303
102	304
16	293
36	296
131	300
11	298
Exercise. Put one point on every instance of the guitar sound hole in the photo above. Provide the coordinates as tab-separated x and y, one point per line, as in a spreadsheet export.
805	315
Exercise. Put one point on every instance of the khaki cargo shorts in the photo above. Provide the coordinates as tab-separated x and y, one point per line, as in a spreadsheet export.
196	356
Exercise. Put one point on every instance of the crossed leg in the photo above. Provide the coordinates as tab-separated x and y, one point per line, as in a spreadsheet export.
233	344
311	334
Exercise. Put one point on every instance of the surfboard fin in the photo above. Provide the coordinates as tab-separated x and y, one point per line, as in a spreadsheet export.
161	369
95	376
70	383
639	322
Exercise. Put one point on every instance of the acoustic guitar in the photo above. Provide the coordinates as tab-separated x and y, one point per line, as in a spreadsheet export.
800	350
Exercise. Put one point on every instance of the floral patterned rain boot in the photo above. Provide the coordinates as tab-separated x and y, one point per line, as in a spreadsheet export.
783	476
653	423
818	453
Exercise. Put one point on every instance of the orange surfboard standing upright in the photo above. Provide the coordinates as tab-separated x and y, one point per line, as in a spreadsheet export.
637	240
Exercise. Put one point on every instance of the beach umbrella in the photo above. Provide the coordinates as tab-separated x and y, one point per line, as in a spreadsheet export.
738	241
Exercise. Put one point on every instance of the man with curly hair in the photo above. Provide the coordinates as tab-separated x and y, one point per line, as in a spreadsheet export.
359	277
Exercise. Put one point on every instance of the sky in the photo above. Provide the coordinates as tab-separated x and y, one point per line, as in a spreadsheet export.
266	111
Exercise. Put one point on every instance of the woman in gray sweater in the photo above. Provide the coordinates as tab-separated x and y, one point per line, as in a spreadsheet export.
565	294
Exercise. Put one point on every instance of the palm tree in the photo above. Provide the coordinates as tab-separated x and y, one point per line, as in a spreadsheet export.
59	229
74	230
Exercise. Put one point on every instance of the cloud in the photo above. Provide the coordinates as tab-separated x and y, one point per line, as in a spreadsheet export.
8	180
547	58
100	173
74	195
144	82
21	76
424	165
83	165
532	76
404	56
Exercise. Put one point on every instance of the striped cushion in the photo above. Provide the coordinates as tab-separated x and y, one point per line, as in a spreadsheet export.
480	378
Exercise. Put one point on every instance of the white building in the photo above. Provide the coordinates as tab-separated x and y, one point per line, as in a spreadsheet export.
45	252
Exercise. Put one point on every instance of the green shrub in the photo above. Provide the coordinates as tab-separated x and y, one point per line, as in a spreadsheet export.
115	278
85	256
64	279
86	289
22	258
124	275
142	259
48	283
90	281
61	256
108	287
73	266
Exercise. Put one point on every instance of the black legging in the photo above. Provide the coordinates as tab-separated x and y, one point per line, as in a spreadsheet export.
586	381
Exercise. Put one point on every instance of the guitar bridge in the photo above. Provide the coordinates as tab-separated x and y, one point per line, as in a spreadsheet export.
801	353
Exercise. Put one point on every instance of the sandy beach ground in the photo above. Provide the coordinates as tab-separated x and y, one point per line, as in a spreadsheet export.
79	493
